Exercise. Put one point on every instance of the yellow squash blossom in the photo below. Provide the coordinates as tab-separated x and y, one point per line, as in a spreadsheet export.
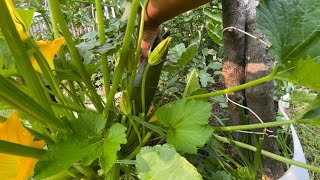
48	50
18	21
16	167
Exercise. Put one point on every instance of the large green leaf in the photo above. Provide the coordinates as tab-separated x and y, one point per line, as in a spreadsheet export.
115	136
164	163
68	151
293	29
187	122
305	72
85	144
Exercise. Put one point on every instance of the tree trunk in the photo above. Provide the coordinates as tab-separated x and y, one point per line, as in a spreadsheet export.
234	14
260	98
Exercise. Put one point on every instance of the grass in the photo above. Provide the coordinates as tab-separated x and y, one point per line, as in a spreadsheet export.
308	134
310	140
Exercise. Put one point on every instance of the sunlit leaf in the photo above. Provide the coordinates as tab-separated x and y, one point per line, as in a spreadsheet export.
27	16
175	53
293	29
214	32
192	84
305	72
17	167
164	163
215	17
188	54
187	123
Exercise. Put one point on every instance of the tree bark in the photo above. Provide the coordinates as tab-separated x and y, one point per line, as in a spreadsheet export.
260	98
234	14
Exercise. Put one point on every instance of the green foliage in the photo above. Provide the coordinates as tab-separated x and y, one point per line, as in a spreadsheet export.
305	72
193	86
213	25
84	144
114	137
295	37
311	113
214	32
95	140
27	16
163	162
125	104
220	175
7	62
214	15
187	122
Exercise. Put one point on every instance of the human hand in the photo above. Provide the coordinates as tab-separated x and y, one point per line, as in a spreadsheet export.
149	35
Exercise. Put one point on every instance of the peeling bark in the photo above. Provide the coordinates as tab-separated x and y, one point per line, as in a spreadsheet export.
234	14
260	98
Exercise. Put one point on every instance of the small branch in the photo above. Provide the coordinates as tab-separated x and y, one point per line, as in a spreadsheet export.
233	89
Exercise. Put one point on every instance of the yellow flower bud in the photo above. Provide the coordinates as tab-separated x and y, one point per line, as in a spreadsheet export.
156	55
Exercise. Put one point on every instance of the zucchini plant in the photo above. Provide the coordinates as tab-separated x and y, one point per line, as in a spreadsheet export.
133	141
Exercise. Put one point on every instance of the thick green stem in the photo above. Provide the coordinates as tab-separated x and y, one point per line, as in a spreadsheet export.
143	89
137	150
136	130
254	126
233	89
47	72
63	57
137	56
57	14
123	56
22	59
22	102
87	171
269	154
20	150
114	173
102	37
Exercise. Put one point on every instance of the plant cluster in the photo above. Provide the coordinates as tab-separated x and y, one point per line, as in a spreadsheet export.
137	140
